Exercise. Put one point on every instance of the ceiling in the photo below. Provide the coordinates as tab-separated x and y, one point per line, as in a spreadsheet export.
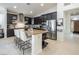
73	11
25	9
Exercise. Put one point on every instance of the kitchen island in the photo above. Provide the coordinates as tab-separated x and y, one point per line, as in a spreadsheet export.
35	34
37	41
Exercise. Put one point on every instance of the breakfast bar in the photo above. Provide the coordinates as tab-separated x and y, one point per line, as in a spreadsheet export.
36	38
37	41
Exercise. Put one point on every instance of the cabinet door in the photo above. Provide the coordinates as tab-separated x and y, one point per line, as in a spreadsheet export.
30	21
54	15
11	17
45	17
26	19
1	33
10	32
49	16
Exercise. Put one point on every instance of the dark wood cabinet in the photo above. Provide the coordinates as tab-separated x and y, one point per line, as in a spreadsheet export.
28	20
54	15
10	18
50	16
1	33
38	20
10	32
43	18
44	36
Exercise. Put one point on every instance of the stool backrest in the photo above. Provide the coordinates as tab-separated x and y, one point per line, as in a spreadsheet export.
23	35
17	33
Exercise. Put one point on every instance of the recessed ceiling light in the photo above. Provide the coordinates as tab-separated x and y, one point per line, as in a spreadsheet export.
42	4
14	7
31	12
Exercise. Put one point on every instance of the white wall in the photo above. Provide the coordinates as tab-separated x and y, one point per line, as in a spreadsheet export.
71	6
3	13
67	24
53	9
60	10
1	20
60	15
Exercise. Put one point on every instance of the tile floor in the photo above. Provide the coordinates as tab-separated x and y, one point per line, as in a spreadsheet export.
70	46
8	47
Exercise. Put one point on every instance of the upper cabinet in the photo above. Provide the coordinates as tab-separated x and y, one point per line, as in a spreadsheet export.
50	16
28	20
42	19
38	20
54	15
11	17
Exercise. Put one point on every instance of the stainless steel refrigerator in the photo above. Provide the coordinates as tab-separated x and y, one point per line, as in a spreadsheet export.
52	29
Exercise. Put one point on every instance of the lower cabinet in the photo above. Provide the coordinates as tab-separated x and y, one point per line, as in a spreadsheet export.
44	36
10	32
44	43
1	33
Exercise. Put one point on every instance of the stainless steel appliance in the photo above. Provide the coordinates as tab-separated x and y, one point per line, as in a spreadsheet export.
52	29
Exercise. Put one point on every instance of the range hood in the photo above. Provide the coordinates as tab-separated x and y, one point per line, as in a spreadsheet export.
21	17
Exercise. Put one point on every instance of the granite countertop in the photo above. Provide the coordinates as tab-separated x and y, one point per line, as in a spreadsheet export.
35	31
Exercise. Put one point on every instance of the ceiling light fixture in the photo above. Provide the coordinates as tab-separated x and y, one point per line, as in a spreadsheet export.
42	4
31	12
14	7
